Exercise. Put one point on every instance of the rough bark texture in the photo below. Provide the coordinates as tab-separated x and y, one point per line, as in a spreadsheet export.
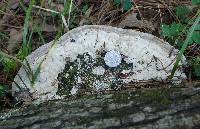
163	108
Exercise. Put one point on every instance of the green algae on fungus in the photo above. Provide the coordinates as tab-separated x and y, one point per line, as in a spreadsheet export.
91	74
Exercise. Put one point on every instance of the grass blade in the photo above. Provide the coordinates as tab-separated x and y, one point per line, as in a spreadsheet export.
35	75
25	28
185	44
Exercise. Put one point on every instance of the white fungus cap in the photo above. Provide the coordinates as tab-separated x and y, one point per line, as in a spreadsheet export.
112	58
136	46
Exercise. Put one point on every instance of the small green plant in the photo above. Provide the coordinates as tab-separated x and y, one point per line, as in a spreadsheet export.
195	62
191	36
25	45
176	32
126	4
3	90
172	32
8	64
184	32
81	73
195	1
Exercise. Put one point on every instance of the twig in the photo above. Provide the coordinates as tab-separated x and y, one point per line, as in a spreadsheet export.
48	10
69	12
136	6
52	11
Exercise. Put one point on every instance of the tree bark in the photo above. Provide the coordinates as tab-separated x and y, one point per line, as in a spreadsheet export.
160	108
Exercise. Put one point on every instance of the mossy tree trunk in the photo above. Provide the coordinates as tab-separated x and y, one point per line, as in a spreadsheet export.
160	108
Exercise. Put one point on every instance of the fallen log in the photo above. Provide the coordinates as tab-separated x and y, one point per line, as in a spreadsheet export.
155	108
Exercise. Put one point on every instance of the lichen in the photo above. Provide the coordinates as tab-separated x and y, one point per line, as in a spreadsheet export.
83	74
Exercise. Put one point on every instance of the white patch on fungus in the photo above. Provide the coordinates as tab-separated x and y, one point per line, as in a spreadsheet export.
98	70
74	90
112	58
100	85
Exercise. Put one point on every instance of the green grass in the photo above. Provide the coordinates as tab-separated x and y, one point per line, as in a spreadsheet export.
4	55
2	35
126	4
25	47
22	5
9	61
184	32
185	44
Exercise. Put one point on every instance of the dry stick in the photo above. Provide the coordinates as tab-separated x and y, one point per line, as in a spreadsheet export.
48	10
159	10
69	12
170	11
193	49
11	26
139	13
52	11
100	16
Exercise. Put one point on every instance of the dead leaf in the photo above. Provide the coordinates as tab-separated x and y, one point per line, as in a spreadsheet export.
43	26
1	26
13	4
48	28
89	11
15	38
59	7
86	17
132	21
79	2
53	5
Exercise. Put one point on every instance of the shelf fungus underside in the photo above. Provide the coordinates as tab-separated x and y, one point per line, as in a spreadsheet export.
96	58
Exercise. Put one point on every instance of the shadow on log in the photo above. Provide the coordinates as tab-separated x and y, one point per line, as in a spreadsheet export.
160	108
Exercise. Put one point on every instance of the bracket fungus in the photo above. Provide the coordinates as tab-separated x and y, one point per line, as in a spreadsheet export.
96	58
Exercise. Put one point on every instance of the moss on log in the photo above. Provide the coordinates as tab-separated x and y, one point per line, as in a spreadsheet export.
160	108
